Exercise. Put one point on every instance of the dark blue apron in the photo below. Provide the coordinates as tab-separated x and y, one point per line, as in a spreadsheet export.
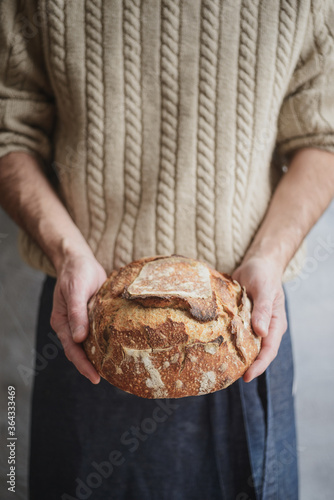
100	443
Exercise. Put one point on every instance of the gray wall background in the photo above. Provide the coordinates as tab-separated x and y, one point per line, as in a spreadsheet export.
311	299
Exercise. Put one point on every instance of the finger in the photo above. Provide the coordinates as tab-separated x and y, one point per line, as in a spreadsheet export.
262	313
59	311
77	356
268	353
77	314
58	303
269	348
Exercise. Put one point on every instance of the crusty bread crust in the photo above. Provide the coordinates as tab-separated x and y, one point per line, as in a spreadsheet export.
168	346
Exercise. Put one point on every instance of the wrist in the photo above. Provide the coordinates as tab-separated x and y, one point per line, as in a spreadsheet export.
69	249
269	251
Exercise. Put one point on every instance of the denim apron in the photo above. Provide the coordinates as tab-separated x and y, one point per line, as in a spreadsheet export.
100	443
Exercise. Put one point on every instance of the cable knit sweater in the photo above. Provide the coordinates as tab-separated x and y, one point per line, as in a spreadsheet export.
167	122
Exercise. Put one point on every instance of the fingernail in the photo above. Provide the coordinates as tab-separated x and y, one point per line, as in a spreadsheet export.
78	333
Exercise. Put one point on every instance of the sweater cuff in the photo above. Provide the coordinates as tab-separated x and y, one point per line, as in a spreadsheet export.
26	125
306	117
318	141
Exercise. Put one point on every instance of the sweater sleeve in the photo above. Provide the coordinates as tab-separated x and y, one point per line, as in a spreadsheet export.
26	101
306	117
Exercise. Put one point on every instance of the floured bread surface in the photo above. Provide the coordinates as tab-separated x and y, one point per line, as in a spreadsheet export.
172	277
170	327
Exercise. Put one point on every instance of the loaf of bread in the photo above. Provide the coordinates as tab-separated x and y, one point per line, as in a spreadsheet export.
170	327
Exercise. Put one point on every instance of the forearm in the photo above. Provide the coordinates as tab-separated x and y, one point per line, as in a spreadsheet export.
29	199
301	197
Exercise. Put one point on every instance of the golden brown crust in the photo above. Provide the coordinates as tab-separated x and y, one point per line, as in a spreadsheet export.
167	346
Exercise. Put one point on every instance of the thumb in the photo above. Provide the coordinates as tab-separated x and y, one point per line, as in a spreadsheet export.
262	313
78	316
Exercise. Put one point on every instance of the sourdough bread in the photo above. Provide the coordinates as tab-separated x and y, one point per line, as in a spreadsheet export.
170	327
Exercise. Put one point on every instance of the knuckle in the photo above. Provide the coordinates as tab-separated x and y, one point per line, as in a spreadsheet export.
68	351
69	287
73	316
62	338
53	321
69	284
263	301
265	307
273	352
75	319
75	285
68	355
280	298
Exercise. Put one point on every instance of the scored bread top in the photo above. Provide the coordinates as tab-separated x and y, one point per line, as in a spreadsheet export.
170	327
175	281
172	277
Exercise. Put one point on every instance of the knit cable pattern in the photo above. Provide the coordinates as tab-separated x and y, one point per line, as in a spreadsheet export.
324	42
323	37
165	211
245	115
286	32
15	76
206	134
56	19
285	38
95	121
133	131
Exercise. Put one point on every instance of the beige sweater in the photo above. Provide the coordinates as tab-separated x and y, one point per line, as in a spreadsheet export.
167	122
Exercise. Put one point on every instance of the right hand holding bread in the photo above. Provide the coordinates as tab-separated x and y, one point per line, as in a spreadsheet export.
79	276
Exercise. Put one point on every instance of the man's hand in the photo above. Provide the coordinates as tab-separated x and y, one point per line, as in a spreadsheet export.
28	197
263	282
79	277
301	196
